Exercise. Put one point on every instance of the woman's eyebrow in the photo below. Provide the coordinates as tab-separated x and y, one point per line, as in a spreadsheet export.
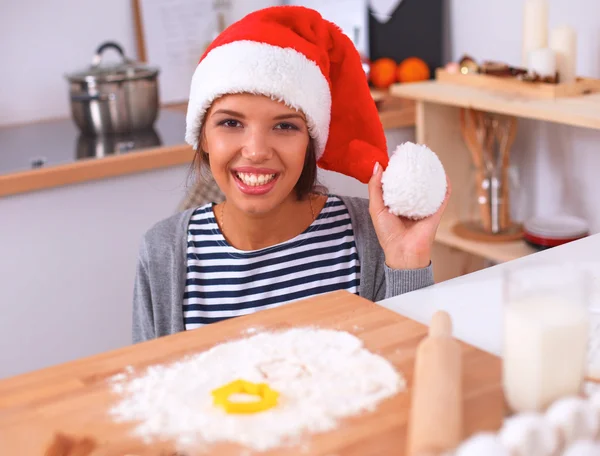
229	113
289	116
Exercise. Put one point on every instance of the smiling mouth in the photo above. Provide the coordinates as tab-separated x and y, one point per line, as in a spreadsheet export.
255	180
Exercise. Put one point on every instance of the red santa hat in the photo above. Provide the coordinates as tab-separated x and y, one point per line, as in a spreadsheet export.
292	54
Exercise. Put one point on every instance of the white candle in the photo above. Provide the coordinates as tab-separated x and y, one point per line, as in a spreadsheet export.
542	62
535	27
563	41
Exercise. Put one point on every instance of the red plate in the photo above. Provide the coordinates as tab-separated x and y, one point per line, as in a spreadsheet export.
552	231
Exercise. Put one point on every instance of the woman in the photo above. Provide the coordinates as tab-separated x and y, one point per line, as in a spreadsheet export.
275	95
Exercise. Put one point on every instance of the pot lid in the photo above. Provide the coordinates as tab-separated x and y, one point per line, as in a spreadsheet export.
122	71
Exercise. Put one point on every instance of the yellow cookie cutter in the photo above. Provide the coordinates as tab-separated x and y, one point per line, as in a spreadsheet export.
268	397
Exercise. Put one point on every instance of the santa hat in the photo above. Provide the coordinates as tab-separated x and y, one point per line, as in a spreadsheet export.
292	54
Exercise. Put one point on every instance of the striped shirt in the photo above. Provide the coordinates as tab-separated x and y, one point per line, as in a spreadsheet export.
224	282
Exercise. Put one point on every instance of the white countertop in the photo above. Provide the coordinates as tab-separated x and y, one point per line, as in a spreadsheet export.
474	301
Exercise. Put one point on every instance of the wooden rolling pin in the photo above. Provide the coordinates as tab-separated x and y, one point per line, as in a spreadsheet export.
436	414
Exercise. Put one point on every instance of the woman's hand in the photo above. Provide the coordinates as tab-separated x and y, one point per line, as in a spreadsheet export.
406	243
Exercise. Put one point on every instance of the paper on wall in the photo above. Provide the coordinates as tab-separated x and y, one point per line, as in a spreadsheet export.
350	15
383	9
176	32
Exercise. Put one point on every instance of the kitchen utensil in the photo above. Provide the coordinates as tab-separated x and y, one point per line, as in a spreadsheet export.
436	413
506	137
474	136
115	98
489	138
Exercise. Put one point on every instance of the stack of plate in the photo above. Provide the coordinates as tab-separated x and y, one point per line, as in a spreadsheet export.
550	231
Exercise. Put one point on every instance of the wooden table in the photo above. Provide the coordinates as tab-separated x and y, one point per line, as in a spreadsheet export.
73	398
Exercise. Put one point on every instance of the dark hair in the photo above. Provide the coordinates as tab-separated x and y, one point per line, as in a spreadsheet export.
307	182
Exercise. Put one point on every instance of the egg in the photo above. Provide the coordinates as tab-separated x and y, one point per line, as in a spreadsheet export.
482	443
529	434
575	418
582	448
414	182
594	400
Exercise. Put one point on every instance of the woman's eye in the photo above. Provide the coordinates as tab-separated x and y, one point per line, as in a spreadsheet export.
286	126
229	123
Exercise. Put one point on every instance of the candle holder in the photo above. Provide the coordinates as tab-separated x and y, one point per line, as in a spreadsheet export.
489	138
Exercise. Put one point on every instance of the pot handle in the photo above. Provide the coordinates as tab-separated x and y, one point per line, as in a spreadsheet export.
103	47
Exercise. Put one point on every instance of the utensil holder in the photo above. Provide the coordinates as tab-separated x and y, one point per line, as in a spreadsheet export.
489	138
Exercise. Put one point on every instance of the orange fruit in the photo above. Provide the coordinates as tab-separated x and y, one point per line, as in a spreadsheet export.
383	72
413	69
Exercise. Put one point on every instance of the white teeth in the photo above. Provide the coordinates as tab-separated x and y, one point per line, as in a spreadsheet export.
254	180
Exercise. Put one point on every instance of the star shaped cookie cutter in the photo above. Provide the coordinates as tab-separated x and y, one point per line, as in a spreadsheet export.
267	397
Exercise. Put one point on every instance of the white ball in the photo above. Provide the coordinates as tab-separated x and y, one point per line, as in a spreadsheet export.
414	182
527	434
482	443
594	400
582	448
575	418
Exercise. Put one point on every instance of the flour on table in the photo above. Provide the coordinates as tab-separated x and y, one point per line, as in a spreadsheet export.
321	375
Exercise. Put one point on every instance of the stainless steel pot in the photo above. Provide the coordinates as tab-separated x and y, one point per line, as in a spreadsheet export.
118	98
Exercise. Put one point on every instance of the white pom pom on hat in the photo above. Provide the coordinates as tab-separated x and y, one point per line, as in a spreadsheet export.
414	182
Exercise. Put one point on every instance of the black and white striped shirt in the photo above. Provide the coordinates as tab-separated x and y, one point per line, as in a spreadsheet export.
224	282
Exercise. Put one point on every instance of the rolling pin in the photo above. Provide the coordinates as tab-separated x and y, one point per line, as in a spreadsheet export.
436	414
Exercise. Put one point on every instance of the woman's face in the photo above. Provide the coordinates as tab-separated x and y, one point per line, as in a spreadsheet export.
256	149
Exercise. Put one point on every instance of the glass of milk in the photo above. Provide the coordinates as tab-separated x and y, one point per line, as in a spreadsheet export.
546	327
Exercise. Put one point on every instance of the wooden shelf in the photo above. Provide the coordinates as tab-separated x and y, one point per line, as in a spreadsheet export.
499	252
394	112
579	111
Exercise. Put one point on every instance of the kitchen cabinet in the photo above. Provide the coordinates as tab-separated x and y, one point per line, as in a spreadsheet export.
67	265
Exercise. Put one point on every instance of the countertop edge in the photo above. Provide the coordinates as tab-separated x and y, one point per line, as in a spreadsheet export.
95	169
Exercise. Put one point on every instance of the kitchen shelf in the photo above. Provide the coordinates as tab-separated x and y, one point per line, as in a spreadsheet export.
497	252
579	111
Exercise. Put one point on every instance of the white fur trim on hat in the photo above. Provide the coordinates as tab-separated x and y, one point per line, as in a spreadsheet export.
283	74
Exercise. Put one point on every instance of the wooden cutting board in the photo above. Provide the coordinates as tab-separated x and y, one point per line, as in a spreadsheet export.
73	398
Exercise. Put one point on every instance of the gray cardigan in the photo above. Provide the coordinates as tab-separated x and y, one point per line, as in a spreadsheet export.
161	271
